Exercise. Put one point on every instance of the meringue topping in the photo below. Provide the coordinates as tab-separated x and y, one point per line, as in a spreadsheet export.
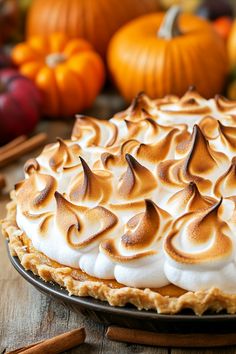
137	198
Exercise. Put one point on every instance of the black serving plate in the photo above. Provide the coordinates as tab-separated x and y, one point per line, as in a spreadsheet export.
129	316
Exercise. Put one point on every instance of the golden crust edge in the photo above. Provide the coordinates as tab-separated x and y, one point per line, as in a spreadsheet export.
200	301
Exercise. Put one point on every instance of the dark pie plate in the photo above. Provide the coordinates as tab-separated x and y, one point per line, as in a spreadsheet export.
129	316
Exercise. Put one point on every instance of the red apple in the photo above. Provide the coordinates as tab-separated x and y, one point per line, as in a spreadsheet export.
20	105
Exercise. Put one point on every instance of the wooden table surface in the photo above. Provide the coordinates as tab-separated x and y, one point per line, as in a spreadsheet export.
27	316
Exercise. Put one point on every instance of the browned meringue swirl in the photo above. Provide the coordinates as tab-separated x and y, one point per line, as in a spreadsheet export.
226	184
76	223
117	159
200	160
94	130
224	105
228	136
141	232
140	108
204	233
189	199
31	166
35	193
144	228
209	127
64	155
159	150
135	128
191	103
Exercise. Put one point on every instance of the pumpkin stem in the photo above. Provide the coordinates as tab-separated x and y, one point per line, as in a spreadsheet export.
54	59
170	27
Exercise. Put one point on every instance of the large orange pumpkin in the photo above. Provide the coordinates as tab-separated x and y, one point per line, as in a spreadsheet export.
164	54
94	20
68	72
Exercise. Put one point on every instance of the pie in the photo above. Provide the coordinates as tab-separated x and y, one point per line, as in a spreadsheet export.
139	209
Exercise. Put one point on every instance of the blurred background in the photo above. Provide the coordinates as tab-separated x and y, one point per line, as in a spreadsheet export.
60	57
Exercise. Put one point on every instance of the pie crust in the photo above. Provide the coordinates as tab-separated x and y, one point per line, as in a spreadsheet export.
167	300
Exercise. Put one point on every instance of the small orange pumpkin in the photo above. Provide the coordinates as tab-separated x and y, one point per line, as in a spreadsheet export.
164	54
68	72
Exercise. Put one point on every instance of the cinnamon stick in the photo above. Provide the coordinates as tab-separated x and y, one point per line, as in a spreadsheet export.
20	139
2	182
169	339
19	150
56	344
21	350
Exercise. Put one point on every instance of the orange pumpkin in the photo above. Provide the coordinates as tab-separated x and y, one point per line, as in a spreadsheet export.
68	72
231	44
94	20
164	54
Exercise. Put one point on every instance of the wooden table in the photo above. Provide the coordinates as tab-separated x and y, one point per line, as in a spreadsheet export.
27	316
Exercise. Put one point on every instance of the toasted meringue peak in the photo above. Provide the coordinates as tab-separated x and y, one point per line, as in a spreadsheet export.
82	226
202	158
145	130
113	160
200	164
224	105
144	228
166	100
191	102
199	238
135	198
142	231
31	166
94	132
187	200
209	127
161	149
140	108
66	215
137	180
64	155
226	184
135	128
35	193
226	139
91	186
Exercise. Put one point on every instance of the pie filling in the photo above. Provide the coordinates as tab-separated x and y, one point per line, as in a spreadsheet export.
144	200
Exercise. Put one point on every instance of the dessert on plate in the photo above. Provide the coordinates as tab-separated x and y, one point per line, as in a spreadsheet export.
139	209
